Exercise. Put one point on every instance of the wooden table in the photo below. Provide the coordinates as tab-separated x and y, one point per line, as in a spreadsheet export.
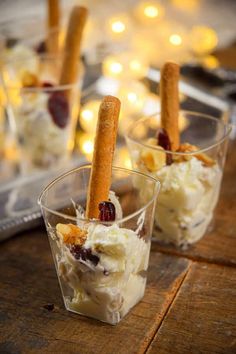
189	305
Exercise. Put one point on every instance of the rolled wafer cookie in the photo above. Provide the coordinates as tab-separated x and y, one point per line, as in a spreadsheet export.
53	26
70	65
105	140
170	102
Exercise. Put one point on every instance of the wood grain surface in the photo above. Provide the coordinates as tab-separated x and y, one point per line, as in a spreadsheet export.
28	282
202	316
219	245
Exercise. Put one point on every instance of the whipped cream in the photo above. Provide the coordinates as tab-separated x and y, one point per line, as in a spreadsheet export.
189	193
108	282
42	141
17	55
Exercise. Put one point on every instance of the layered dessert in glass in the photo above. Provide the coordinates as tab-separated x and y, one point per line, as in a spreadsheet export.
42	112
190	173
43	93
101	265
100	229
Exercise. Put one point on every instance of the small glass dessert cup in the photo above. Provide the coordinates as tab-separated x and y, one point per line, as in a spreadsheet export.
101	265
190	177
43	113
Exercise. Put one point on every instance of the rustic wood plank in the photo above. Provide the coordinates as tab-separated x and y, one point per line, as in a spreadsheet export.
28	281
219	245
202	318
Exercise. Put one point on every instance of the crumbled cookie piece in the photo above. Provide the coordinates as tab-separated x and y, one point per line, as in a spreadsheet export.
29	79
186	147
207	160
153	160
71	234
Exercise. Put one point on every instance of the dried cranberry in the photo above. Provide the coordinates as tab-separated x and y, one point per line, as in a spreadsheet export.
49	307
41	48
84	254
47	84
107	211
59	109
164	141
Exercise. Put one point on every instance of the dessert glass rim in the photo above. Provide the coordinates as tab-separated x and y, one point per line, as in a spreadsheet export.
34	89
97	221
228	126
44	56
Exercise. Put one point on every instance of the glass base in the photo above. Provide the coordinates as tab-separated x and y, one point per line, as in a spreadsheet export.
183	238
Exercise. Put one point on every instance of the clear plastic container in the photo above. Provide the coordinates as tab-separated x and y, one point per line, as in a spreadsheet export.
190	179
102	273
43	114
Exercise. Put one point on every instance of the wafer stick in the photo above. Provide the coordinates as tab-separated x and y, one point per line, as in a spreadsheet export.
53	26
105	140
170	102
70	65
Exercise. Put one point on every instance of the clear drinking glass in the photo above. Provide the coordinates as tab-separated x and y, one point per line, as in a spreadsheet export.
42	112
104	275
190	179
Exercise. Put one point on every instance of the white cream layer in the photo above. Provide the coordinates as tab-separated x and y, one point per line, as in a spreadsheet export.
189	193
110	289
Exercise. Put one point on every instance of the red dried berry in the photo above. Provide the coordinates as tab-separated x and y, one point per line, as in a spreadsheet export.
41	48
84	254
164	141
49	307
59	109
107	211
47	84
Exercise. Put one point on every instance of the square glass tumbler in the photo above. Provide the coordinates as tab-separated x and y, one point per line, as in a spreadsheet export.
101	265
190	177
43	113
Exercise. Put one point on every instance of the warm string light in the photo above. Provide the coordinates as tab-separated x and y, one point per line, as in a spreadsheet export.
112	67
149	12
118	27
88	115
170	39
132	95
126	64
85	144
203	40
210	62
175	39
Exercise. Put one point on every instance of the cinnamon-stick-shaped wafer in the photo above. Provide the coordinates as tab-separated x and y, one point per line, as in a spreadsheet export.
170	102
70	65
53	26
105	140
